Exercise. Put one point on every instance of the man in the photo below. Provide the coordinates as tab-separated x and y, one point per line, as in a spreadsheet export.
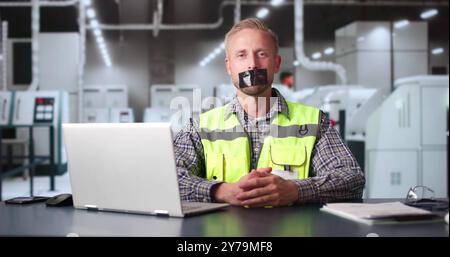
260	150
287	79
287	86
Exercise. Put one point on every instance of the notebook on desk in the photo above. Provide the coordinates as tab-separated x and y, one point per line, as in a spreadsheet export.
380	213
126	167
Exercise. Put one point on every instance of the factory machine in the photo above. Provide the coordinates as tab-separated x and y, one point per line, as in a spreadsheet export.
407	139
38	108
106	104
173	103
35	119
348	108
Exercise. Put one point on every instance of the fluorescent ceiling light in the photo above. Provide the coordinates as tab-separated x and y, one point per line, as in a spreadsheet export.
328	51
217	51
428	14
97	32
90	13
401	24
437	51
87	2
262	13
100	40
94	23
316	55
276	2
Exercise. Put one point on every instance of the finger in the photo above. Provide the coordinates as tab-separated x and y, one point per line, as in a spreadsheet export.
257	192
265	170
266	200
255	183
253	174
261	174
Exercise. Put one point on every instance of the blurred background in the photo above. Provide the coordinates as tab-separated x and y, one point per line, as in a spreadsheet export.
378	68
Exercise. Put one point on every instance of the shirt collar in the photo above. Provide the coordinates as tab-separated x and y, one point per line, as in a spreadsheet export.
280	106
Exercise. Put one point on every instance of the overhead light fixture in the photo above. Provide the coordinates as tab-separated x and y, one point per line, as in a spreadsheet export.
90	13
218	50
401	24
87	2
428	14
437	51
94	23
296	63
213	54
262	13
276	2
97	32
316	55
100	40
328	51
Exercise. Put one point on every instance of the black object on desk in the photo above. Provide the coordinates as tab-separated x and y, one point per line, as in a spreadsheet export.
26	199
60	200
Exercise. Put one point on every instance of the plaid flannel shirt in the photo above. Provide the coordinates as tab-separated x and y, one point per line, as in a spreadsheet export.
334	172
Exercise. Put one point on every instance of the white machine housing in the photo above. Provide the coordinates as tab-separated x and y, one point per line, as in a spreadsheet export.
42	107
174	103
406	139
5	107
99	101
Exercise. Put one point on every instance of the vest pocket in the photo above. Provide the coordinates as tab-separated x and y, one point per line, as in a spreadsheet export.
289	157
214	166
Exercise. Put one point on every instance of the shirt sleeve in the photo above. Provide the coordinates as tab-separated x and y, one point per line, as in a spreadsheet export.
190	165
335	174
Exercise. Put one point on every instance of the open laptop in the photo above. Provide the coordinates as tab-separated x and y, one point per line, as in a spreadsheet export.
126	167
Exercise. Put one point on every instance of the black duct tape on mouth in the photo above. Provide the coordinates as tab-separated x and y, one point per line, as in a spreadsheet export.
256	77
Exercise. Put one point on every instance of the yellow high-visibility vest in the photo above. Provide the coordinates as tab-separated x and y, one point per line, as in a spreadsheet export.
287	146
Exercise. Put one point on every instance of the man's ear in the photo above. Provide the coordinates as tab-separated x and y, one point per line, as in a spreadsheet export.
277	63
227	65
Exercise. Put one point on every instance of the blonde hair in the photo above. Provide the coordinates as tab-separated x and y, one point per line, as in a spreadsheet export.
251	23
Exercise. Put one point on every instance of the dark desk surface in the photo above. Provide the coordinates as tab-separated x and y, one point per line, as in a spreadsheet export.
38	220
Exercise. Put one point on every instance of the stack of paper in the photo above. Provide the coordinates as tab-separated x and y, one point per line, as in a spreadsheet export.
379	213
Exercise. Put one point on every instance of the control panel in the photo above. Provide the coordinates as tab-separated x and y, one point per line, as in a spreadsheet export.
43	109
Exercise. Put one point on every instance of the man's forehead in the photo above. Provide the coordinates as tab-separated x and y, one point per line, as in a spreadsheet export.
249	36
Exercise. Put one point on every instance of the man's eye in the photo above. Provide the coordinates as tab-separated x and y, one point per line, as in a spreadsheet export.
262	54
241	55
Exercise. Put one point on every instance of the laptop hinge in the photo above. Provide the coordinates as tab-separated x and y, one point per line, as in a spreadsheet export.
161	213
90	207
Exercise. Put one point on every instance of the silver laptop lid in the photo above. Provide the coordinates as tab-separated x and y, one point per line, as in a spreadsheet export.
127	167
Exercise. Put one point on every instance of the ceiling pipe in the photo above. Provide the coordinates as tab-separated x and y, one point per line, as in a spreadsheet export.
41	3
299	48
237	11
35	27
157	24
81	58
157	17
4	56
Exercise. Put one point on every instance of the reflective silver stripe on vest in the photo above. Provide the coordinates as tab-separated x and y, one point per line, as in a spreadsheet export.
276	131
229	134
298	131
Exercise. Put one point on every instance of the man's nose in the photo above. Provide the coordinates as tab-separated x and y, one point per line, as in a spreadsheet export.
252	62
